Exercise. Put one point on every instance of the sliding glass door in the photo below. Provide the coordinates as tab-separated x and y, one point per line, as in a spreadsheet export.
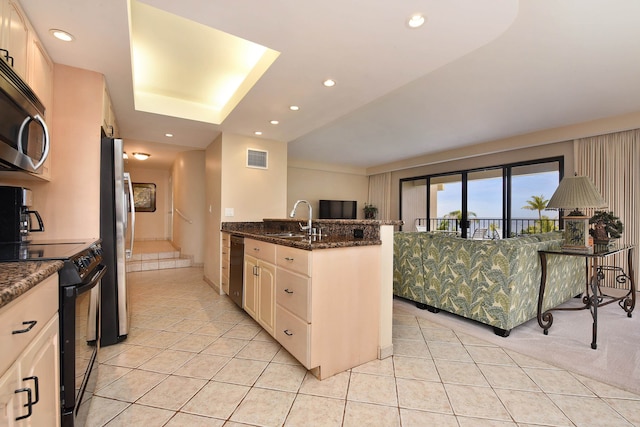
488	203
485	196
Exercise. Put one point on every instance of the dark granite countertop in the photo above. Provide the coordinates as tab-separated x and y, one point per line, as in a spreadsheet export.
317	242
16	278
335	233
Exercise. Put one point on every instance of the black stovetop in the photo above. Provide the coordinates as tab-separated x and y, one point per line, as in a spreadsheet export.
44	250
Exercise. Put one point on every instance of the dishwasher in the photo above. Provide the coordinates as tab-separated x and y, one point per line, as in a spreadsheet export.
236	270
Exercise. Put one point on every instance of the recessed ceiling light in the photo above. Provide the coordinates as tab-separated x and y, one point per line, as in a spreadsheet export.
258	133
141	156
274	122
294	108
416	20
61	35
125	155
168	135
329	83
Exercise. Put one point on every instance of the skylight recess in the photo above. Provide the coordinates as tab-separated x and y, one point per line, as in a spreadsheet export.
184	69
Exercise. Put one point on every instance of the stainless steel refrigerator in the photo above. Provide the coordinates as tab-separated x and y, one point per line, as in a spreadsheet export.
117	230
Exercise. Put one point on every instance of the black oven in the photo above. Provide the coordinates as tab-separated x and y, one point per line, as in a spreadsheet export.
79	345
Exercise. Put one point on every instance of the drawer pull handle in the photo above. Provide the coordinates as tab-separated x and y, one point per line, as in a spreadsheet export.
256	249
37	387
28	405
289	259
288	332
31	324
288	291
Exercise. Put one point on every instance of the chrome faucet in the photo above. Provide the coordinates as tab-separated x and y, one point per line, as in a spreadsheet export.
307	227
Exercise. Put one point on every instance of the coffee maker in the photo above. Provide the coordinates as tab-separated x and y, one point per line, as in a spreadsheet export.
16	215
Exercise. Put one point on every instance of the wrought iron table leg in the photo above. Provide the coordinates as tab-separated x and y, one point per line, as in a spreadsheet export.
544	319
594	310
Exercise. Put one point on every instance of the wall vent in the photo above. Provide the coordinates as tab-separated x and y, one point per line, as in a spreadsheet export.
256	159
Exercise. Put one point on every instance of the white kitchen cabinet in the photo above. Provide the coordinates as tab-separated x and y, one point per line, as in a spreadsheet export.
225	250
109	123
34	370
14	36
327	306
259	282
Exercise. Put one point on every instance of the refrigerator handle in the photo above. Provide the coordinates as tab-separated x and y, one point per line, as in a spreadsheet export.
129	252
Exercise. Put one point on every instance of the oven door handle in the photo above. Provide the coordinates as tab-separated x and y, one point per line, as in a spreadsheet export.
98	273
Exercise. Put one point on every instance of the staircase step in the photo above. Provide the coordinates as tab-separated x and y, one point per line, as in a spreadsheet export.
156	255
157	264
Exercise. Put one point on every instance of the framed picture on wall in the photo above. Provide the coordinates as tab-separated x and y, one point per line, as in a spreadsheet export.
144	197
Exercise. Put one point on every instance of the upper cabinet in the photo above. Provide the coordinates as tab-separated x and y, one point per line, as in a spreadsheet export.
14	36
109	123
40	74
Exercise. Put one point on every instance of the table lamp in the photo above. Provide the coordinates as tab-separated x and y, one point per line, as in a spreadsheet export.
576	192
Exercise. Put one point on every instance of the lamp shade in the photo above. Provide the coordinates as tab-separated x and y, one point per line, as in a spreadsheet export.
576	192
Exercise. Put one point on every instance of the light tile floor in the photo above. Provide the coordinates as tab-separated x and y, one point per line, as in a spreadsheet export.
193	358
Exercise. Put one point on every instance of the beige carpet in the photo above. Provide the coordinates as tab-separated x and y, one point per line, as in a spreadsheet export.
616	361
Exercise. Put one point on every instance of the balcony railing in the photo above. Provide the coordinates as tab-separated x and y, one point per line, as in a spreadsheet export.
488	228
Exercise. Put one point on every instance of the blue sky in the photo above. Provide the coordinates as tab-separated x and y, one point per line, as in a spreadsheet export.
485	196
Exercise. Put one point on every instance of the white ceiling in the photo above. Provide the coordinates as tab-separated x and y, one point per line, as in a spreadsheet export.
478	70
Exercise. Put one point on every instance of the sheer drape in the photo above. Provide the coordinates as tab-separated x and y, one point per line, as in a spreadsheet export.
612	161
380	194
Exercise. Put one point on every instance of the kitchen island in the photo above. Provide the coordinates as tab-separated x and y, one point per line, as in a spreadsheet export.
326	298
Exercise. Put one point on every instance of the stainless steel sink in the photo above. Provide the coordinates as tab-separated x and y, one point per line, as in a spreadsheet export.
286	235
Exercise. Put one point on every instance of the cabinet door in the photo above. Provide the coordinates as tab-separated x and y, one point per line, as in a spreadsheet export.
266	296
10	407
250	286
40	365
225	262
17	38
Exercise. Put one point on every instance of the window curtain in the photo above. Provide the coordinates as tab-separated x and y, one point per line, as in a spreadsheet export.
380	194
612	162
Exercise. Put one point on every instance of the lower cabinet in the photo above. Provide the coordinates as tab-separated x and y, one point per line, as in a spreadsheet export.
225	262
30	358
259	283
328	306
322	306
30	388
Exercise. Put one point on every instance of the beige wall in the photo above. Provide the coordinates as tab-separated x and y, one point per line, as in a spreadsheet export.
154	225
70	203
188	180
314	182
213	199
253	194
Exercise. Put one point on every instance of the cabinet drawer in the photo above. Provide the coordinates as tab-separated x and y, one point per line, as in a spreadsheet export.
297	260
293	292
293	334
38	305
261	250
226	238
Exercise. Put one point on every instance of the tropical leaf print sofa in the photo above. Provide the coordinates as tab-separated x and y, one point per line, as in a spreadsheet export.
495	282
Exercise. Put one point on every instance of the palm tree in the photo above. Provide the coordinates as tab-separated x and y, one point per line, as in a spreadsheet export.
537	203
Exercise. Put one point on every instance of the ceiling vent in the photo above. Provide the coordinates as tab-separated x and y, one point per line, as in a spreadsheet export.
256	159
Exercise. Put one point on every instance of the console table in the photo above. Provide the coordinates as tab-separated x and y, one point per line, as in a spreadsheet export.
595	269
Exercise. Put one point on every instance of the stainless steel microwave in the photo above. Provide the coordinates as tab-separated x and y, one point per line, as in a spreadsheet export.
24	137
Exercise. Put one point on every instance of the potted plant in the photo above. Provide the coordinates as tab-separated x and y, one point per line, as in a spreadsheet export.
606	226
370	211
